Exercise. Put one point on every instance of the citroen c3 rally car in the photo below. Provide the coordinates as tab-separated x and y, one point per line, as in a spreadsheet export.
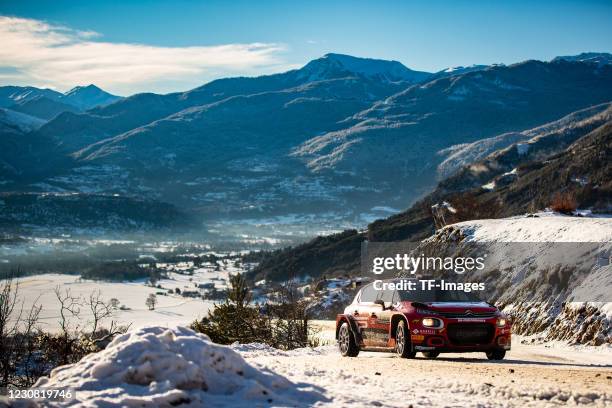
431	322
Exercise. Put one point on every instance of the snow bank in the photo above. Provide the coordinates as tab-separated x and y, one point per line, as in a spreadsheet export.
540	227
161	367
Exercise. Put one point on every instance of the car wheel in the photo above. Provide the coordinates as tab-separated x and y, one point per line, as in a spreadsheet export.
403	347
496	354
431	354
346	341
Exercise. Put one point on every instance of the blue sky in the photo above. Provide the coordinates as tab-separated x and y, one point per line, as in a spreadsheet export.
161	46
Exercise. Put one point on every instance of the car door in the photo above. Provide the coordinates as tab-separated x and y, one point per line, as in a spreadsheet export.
362	313
380	318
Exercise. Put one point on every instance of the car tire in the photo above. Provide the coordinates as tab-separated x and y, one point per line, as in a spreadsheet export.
431	354
403	348
346	341
496	354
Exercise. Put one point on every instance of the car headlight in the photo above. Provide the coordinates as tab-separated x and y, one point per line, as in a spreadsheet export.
431	322
501	322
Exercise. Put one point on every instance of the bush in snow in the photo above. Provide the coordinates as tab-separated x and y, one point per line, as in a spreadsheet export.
283	323
235	320
564	203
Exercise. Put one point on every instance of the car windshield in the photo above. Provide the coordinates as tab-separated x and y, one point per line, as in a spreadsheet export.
437	295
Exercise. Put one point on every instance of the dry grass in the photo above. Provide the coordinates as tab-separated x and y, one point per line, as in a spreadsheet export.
564	202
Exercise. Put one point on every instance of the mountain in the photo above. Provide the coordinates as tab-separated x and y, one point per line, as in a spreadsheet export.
458	156
12	121
383	77
452	71
13	129
337	65
509	182
599	58
42	107
331	141
10	95
405	131
187	142
47	103
87	97
89	214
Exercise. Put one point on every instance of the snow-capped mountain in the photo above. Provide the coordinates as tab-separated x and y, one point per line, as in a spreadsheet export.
47	103
331	65
408	128
10	95
339	136
462	70
87	97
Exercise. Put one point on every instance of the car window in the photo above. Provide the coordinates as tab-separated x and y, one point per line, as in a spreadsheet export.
368	294
387	296
437	295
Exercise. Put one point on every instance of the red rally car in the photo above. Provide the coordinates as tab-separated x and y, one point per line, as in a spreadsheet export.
431	322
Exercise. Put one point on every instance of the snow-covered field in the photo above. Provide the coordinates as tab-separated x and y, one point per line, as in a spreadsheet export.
162	368
171	309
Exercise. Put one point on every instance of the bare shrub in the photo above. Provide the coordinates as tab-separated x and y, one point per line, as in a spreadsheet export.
564	203
289	312
17	331
151	301
464	207
27	352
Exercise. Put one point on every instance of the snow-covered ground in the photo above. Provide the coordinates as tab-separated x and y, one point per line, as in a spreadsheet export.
540	227
170	310
160	367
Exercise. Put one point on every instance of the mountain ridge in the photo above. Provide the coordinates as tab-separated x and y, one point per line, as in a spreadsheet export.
572	157
290	143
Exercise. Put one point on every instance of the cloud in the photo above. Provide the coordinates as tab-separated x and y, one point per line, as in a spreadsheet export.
42	54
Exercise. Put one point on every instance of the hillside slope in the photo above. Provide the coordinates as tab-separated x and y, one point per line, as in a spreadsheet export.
547	167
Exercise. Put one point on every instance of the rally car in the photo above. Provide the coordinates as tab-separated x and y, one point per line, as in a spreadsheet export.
431	322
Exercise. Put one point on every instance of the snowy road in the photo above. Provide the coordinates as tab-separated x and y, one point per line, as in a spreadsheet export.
529	376
160	367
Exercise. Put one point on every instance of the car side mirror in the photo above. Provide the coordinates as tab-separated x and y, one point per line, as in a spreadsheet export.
380	302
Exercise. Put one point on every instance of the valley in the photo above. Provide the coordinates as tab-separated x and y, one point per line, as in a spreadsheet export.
283	177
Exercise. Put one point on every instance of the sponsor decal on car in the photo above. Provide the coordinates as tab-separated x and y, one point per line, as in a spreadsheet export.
424	348
424	331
